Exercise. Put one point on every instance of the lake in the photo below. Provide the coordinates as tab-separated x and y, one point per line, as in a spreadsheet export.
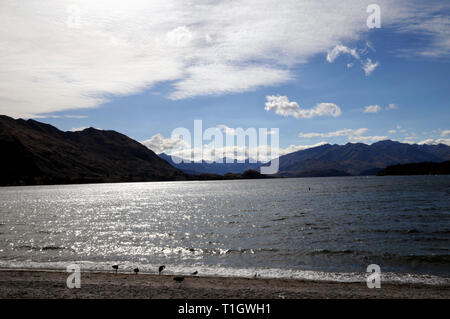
313	228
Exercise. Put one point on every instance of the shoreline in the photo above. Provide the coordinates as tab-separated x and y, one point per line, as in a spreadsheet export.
388	277
51	284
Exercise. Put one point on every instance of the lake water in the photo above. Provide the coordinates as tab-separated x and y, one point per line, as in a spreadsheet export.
313	228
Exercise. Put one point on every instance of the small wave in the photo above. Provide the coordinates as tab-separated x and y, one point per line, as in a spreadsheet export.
29	247
431	209
418	259
53	248
442	259
446	231
332	252
398	231
279	219
247	211
431	239
44	232
313	226
220	251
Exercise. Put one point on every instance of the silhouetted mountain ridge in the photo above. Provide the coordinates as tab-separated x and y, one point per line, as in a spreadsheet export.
359	158
221	167
38	153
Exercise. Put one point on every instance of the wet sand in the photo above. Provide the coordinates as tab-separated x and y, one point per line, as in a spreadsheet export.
20	284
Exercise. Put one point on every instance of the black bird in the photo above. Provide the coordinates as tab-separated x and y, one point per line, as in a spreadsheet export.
194	273
136	270
161	268
178	279
115	267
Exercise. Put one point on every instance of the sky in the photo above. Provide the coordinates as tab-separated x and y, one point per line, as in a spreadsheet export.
315	70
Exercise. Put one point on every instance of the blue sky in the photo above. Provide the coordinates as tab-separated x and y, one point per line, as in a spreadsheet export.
409	55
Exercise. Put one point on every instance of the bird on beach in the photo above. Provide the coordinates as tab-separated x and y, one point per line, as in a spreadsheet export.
115	267
194	273
136	270
161	268
178	279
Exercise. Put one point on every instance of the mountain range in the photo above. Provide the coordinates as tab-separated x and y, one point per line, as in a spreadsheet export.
331	160
220	167
38	153
358	158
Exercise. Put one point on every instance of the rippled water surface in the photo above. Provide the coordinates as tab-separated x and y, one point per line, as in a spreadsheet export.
322	228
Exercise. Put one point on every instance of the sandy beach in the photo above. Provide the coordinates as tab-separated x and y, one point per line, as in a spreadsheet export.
26	284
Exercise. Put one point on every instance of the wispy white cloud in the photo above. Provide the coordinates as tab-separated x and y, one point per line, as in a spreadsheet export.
343	132
434	137
392	106
227	130
158	144
372	109
368	66
55	116
214	79
282	106
209	152
435	141
82	128
270	132
445	133
368	139
341	49
375	108
430	21
353	135
76	129
114	48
